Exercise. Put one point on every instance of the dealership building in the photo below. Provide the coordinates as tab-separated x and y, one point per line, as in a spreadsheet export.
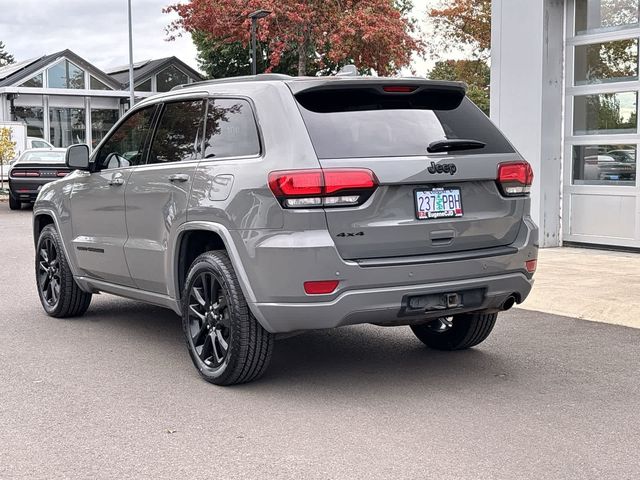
65	99
564	88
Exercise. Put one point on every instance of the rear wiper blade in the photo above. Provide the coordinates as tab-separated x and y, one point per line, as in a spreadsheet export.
454	144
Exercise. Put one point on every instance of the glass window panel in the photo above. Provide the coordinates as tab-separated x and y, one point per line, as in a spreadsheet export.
144	86
96	84
101	122
34	118
125	146
606	113
231	129
606	62
66	126
604	164
179	133
65	74
605	15
33	82
169	78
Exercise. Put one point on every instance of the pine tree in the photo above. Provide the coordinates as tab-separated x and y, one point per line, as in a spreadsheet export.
5	57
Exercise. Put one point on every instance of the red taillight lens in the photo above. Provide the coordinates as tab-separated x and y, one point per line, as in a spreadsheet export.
531	265
322	287
61	174
337	187
302	183
24	173
398	89
515	178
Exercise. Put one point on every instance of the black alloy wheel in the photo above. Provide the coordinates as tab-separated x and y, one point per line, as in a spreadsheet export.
49	272
226	342
59	293
209	322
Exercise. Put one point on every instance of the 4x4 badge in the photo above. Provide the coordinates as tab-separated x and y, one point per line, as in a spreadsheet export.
449	168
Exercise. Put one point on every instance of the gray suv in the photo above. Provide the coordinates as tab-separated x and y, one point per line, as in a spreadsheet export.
261	206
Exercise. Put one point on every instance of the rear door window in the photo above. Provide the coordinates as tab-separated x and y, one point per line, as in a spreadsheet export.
362	126
178	135
231	129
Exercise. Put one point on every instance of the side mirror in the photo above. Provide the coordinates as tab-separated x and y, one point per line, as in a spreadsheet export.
77	157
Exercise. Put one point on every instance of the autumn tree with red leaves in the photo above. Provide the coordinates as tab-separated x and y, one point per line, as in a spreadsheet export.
372	34
463	22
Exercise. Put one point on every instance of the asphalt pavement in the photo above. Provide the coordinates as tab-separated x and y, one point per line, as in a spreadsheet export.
114	395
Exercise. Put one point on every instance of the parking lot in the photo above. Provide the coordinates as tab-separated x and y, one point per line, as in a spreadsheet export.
114	395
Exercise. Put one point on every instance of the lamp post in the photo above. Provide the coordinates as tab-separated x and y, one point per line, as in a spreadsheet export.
132	97
255	16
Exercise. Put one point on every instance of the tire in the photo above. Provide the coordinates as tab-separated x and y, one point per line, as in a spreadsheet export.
215	314
456	333
14	203
52	269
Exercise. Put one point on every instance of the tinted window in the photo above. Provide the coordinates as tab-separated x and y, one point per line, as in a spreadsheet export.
178	135
39	144
125	146
231	129
398	128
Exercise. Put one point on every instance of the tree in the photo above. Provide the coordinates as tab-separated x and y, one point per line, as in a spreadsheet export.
7	150
5	57
465	22
372	34
476	73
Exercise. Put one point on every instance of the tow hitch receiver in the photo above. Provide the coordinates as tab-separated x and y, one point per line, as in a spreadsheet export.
452	300
433	302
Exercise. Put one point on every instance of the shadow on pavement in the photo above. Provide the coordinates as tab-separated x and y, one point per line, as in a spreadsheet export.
357	358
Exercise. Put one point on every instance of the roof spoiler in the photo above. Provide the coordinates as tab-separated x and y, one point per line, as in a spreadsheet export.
348	93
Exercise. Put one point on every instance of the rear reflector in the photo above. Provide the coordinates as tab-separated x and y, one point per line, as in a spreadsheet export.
531	265
515	178
398	89
337	187
321	287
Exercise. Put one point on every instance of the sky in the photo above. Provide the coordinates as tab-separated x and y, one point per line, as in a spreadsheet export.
97	30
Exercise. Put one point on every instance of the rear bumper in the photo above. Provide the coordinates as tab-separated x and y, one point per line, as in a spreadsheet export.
376	293
27	190
386	306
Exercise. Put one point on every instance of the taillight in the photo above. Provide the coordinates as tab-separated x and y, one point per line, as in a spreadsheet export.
515	178
339	187
60	173
24	173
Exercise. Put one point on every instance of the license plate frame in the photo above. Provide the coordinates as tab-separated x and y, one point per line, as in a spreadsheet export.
441	213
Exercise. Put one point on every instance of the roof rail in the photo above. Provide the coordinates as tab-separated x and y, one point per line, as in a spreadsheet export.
246	78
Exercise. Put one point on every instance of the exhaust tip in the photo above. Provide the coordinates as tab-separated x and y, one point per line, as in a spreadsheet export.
508	303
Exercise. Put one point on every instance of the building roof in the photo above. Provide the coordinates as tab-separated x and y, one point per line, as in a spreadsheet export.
15	73
145	69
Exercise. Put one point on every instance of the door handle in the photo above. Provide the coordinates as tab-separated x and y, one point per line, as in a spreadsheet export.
116	181
178	177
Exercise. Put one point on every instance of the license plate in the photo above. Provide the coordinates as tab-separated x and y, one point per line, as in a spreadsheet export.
438	203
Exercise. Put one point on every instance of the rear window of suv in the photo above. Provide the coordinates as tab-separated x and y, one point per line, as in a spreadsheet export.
353	128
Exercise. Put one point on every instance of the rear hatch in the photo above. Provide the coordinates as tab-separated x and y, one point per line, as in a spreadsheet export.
429	200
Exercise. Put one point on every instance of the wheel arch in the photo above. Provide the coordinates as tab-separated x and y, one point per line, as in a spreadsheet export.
41	220
194	238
